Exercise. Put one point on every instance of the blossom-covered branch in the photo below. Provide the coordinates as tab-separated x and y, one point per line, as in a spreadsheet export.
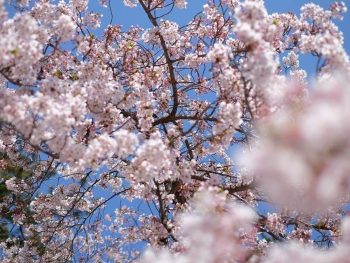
196	142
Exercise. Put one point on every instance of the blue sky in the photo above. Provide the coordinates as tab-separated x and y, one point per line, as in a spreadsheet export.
134	16
127	17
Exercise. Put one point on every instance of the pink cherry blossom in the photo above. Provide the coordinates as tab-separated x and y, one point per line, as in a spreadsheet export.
181	141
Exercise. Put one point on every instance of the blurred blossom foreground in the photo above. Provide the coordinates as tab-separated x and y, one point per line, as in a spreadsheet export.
203	141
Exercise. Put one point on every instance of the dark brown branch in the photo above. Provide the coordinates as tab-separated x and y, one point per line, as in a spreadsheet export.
169	62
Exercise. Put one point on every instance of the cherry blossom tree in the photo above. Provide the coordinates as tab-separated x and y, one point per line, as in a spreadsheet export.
196	142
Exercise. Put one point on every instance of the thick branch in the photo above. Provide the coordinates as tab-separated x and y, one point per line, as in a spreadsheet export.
169	62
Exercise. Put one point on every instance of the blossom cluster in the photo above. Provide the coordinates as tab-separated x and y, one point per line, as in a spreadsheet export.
198	142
